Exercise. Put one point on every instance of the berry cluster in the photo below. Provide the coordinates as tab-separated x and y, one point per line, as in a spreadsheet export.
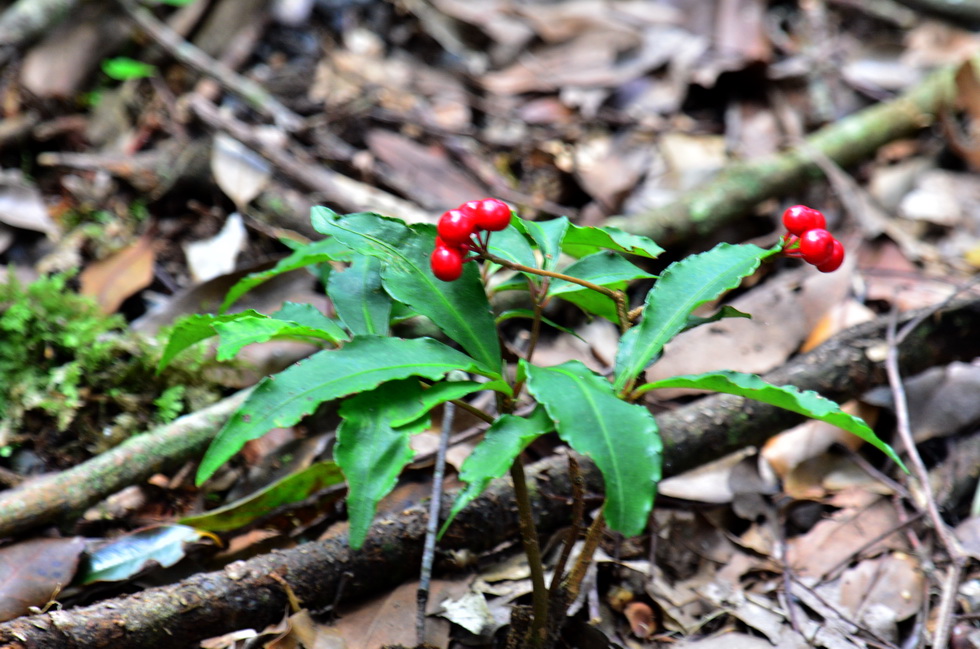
456	229
809	239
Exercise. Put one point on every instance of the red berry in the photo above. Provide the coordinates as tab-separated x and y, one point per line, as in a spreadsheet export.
836	259
800	218
456	227
447	262
490	213
816	246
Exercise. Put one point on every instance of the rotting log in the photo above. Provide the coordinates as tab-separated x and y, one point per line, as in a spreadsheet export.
737	189
251	594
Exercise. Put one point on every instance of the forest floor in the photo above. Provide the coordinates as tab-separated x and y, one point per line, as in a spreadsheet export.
152	155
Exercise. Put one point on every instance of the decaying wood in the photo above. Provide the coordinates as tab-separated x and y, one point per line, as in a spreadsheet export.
72	491
740	187
247	595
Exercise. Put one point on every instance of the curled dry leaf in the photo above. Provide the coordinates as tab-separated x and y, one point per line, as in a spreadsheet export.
22	206
113	279
214	257
640	617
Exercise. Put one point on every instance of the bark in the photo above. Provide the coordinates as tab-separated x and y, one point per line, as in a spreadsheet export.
246	594
740	187
71	492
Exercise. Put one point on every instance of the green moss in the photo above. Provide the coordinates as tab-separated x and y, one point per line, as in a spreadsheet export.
75	381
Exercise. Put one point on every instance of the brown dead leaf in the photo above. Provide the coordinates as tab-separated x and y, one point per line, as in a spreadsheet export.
426	174
32	573
968	534
839	317
812	439
942	400
816	477
890	277
834	541
892	583
113	279
390	618
641	619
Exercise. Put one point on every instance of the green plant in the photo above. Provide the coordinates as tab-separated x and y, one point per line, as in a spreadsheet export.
75	381
377	266
122	68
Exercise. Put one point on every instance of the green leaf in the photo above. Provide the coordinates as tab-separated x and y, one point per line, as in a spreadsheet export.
372	453
683	286
459	308
549	236
316	252
581	241
511	245
133	553
788	397
358	297
605	269
726	311
502	443
362	364
621	438
195	328
307	315
122	68
529	314
240	332
601	268
294	488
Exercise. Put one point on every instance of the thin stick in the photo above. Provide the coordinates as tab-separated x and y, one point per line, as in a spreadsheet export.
529	539
578	512
944	615
432	525
253	94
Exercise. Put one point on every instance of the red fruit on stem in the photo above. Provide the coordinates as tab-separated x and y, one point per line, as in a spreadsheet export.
490	214
836	259
816	246
447	263
456	227
800	218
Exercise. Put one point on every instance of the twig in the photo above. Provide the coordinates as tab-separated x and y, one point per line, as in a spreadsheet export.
432	525
252	93
740	187
72	491
345	192
578	511
529	539
944	615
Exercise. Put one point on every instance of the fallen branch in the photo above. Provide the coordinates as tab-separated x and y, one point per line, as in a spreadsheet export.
251	594
740	187
71	492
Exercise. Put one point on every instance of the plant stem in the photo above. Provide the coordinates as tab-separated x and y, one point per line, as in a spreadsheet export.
432	525
577	575
529	538
578	511
616	296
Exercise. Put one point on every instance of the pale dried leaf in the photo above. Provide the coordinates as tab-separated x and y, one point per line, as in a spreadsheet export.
22	206
214	257
942	400
241	173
